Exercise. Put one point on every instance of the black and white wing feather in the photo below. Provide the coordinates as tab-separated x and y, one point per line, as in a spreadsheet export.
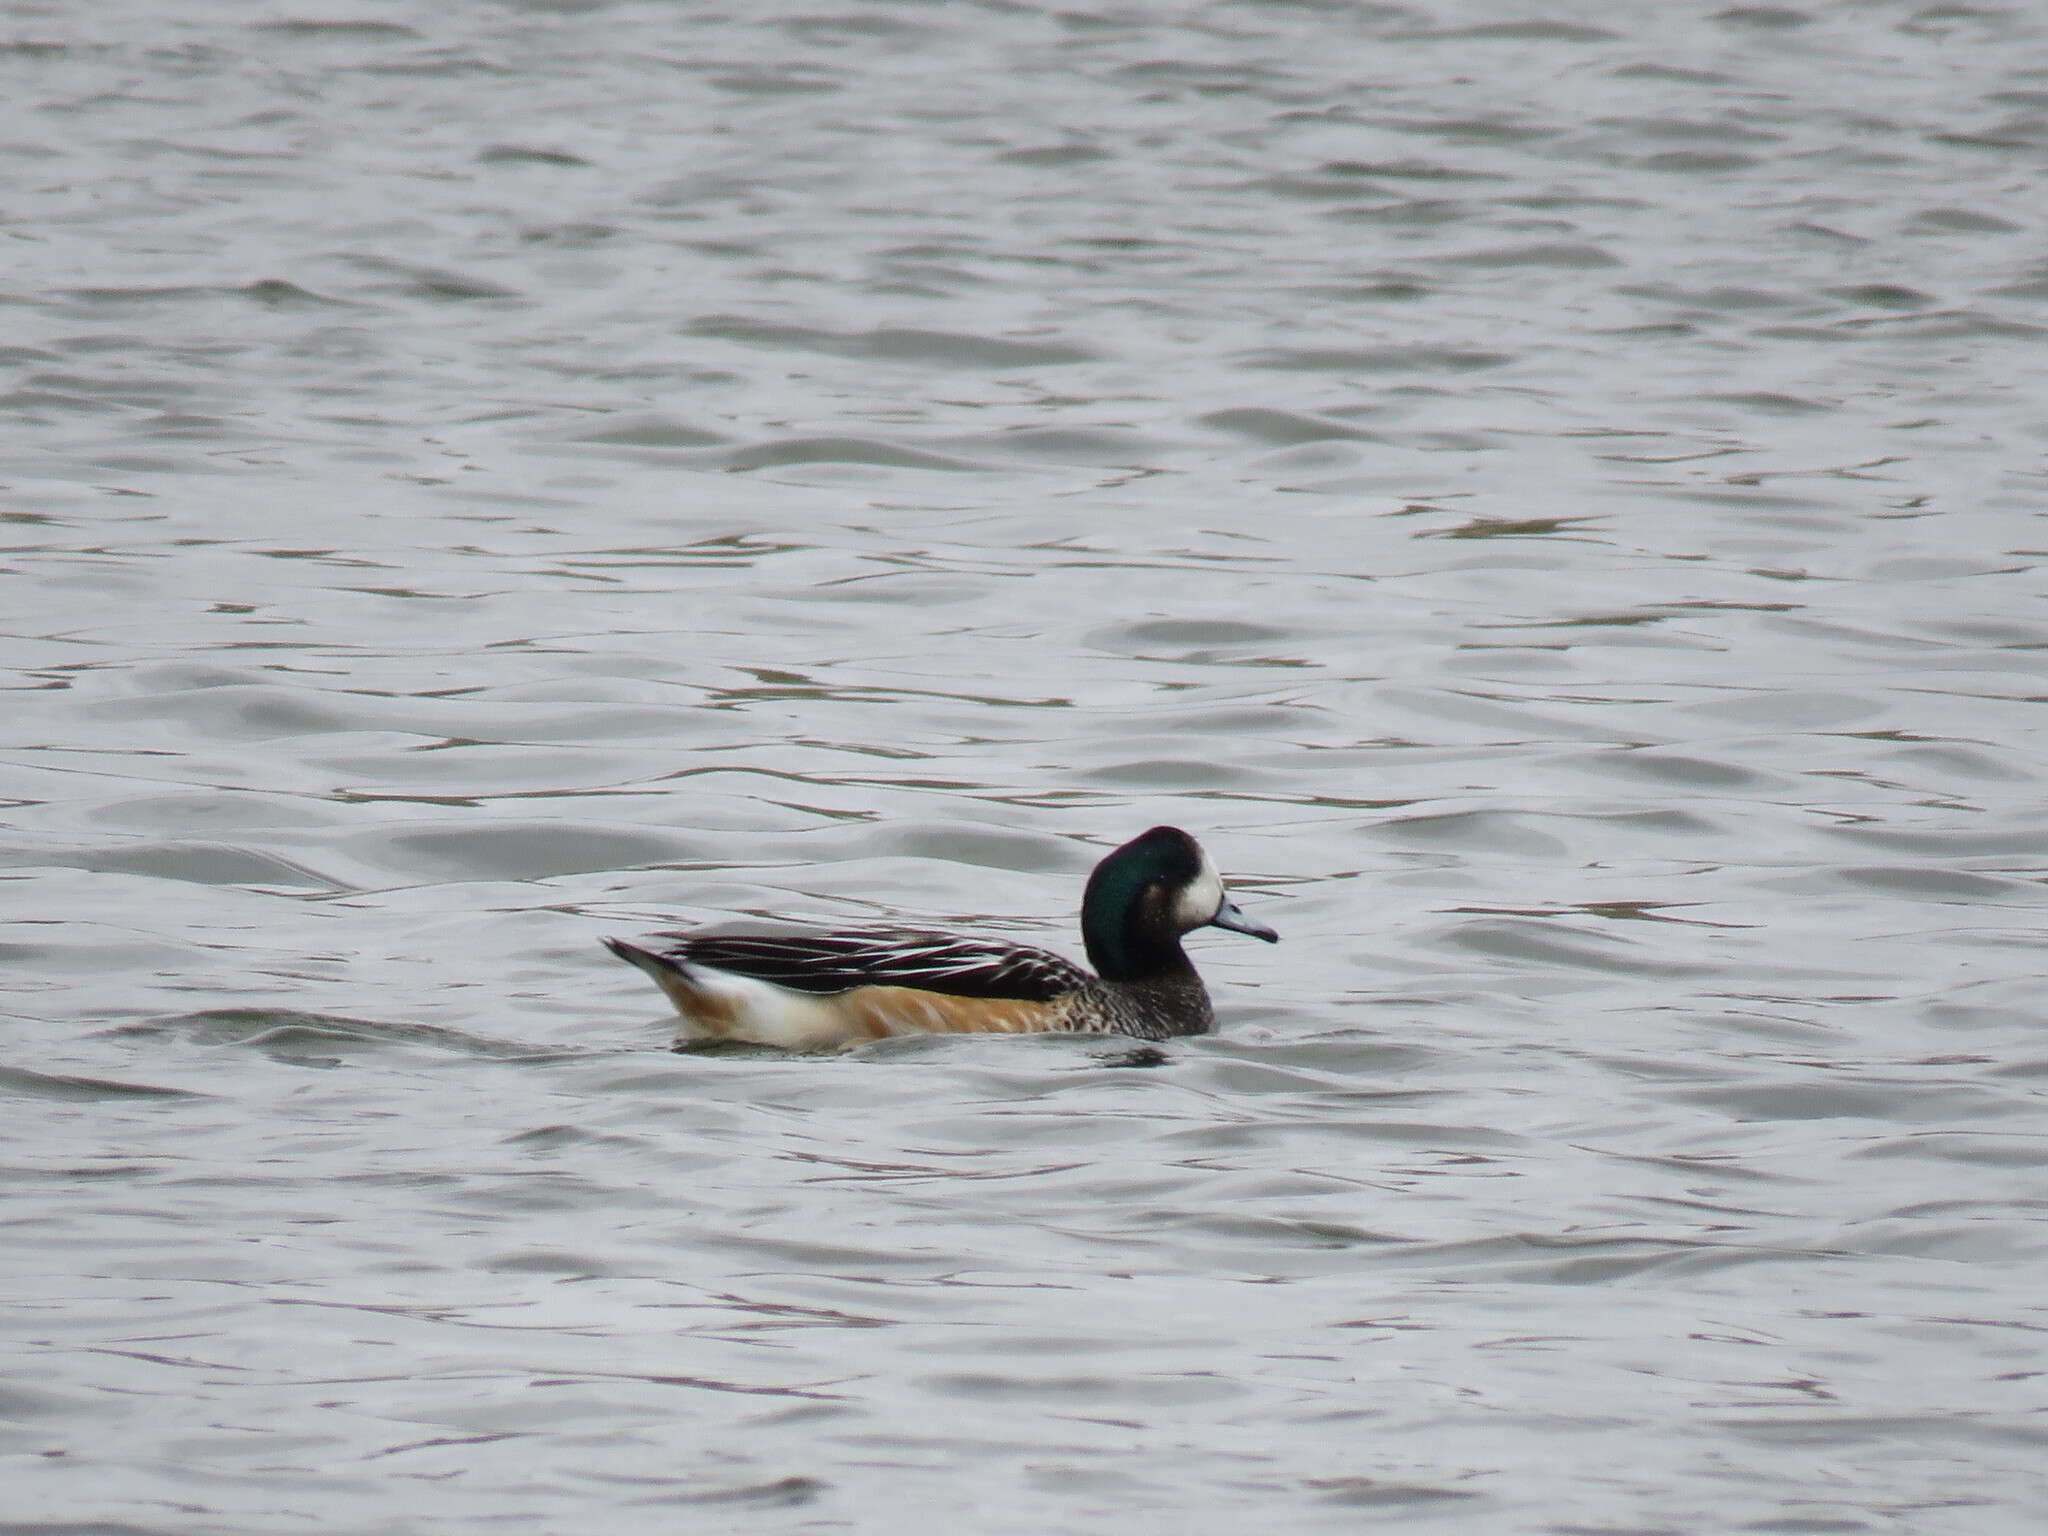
896	957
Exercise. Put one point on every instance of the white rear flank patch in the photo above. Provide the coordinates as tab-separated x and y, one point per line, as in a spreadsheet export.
740	1008
1200	901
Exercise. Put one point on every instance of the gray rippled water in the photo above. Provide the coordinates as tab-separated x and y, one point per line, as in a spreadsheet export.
1552	494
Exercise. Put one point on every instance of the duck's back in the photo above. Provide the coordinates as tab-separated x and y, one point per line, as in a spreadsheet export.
826	963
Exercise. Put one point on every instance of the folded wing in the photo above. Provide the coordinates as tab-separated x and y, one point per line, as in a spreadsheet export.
824	963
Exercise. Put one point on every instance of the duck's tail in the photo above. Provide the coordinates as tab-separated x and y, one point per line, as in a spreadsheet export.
718	1005
654	965
706	1015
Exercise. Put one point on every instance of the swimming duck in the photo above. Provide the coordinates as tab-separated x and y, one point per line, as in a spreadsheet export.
825	991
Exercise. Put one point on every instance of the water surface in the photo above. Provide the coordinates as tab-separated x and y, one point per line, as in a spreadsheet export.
1552	497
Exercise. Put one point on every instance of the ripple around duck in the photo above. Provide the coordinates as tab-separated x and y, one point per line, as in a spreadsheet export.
1094	1392
841	450
1375	360
194	862
215	810
1913	881
511	848
650	431
50	1085
897	344
1196	775
1993	1149
246	712
1179	633
1045	445
289	1034
1497	834
977	847
1901	1099
1578	950
1280	428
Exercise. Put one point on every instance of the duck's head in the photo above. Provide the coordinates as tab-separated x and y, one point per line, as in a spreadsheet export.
1145	895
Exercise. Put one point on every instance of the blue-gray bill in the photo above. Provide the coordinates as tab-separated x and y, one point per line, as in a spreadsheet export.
1230	916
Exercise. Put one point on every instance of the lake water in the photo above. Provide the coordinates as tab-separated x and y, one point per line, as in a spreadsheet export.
1552	495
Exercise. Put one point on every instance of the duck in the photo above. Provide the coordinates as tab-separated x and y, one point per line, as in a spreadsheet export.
822	991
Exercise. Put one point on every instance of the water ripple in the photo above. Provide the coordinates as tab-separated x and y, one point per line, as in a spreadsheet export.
1555	509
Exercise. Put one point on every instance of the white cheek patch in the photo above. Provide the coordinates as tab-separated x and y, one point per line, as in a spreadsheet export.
1201	900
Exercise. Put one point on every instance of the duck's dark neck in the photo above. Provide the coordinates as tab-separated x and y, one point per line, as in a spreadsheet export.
1133	940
